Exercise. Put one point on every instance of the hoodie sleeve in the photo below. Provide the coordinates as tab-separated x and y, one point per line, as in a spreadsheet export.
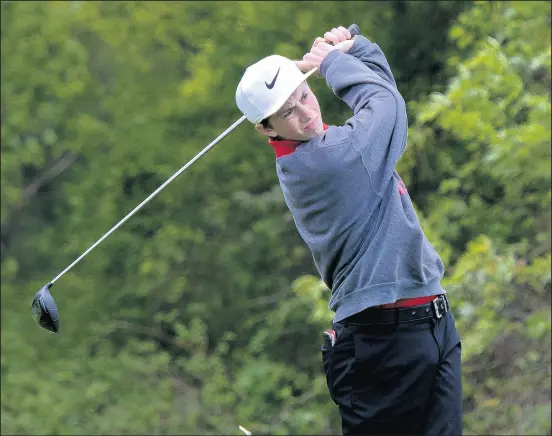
379	126
372	56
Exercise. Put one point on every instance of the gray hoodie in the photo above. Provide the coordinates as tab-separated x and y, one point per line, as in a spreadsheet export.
349	204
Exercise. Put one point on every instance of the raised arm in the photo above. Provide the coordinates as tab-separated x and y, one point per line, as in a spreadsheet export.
379	126
372	56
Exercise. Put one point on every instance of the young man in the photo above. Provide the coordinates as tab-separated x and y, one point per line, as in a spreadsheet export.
393	364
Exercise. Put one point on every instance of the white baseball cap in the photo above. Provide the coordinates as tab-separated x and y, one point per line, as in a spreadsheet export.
266	86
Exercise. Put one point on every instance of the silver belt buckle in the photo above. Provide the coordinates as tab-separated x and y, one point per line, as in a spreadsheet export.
440	305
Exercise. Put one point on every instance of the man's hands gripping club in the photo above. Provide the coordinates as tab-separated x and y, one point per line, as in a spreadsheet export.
337	39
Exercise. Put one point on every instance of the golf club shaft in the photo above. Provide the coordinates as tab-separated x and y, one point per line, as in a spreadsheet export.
157	191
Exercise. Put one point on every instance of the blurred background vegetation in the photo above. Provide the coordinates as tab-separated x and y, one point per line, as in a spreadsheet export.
204	311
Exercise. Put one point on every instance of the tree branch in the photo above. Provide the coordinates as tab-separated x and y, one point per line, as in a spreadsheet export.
48	175
291	406
152	333
31	190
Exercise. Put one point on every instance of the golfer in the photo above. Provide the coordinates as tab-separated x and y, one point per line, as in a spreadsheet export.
392	361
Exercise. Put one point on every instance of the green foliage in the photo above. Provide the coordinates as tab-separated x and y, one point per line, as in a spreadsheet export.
490	125
204	311
506	336
487	141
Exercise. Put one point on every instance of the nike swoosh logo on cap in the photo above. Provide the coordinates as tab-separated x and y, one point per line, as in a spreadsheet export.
271	84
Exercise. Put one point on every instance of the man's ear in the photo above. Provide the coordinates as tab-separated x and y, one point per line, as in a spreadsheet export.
267	131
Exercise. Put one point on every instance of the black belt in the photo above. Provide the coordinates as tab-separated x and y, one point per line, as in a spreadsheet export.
435	309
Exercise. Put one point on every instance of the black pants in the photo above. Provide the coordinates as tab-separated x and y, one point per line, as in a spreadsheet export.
396	372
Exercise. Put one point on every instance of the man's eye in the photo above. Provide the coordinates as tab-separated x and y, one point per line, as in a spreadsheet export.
288	113
304	96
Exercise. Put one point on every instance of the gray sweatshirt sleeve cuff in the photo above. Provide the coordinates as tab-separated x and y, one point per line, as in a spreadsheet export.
332	56
362	47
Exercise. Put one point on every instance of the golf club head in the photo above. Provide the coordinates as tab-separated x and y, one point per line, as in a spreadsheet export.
45	310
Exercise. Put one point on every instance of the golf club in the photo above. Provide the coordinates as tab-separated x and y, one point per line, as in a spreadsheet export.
44	308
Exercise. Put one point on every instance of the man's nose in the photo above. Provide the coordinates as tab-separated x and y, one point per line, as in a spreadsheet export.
305	113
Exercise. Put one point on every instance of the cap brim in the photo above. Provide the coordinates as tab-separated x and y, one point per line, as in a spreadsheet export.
278	104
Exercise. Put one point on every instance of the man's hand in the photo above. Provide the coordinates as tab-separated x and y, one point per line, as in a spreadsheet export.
315	56
340	38
334	36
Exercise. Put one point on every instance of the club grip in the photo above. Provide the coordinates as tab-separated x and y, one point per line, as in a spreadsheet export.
354	30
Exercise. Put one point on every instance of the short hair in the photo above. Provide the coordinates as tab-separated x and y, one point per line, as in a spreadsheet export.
266	124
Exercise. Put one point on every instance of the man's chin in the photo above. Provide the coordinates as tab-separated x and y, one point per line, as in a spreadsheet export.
318	130
307	135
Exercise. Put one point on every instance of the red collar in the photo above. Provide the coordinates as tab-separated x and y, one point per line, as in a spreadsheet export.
285	147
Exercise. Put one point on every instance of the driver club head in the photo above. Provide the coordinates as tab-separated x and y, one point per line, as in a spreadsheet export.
45	310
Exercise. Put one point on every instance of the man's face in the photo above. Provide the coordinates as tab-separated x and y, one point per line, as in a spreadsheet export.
298	119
